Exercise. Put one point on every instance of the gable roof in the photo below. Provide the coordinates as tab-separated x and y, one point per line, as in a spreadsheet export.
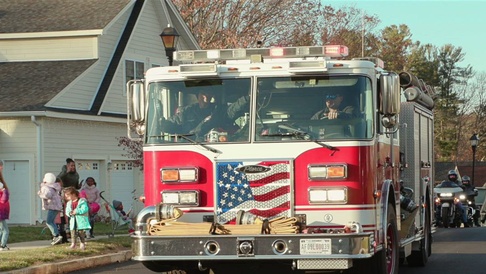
36	83
27	85
57	15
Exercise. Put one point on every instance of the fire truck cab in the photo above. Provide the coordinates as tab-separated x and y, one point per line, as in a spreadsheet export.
244	166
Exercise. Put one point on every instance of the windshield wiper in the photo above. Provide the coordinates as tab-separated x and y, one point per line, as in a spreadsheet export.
297	132
186	137
299	135
326	145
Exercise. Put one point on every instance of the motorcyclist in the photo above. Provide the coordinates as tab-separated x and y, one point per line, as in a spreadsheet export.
453	177
471	192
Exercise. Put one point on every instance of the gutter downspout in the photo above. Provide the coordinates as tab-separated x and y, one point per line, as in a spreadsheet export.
39	168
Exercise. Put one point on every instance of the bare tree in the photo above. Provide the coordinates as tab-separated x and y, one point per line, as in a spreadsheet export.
241	23
466	123
351	27
476	117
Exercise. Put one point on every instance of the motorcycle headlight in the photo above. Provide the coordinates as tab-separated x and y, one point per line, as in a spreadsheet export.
445	195
462	197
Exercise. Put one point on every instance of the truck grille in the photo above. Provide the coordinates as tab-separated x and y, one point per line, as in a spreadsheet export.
261	188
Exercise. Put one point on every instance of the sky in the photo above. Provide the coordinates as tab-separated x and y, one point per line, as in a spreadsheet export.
438	22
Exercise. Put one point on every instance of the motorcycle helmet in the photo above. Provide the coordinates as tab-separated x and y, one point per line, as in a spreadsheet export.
452	175
466	180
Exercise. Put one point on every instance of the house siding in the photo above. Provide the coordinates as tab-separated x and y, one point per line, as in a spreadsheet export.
80	139
61	139
51	49
16	136
81	93
145	42
64	63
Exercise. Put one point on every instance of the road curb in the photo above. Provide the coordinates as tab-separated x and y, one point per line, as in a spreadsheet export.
76	264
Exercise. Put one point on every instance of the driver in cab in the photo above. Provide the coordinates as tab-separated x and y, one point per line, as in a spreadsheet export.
334	108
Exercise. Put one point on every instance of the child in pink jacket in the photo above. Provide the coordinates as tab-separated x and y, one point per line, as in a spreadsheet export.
4	211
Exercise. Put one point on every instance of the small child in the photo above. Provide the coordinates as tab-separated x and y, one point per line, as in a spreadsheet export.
77	209
61	219
51	202
124	216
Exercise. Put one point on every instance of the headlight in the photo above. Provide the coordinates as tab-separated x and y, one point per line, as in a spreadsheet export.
323	172
462	197
446	195
328	195
181	197
179	175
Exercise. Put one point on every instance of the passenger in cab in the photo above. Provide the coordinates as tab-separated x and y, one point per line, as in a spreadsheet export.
187	118
207	113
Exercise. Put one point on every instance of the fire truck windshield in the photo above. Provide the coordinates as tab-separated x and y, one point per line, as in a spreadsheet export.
260	109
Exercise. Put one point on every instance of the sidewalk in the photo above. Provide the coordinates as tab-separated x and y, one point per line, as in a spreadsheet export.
70	265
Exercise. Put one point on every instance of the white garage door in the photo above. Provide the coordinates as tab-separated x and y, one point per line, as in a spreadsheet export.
122	183
91	168
16	174
87	169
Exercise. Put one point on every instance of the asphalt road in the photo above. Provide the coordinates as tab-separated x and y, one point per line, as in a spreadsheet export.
454	250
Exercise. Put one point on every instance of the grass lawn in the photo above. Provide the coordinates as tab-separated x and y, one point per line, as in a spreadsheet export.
16	259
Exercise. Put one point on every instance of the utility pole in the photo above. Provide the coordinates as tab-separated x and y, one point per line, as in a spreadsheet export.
362	33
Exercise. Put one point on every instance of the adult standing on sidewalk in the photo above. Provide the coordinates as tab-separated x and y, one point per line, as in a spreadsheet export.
4	211
69	175
51	201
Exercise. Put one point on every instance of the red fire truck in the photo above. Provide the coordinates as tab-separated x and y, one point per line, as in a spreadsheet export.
245	169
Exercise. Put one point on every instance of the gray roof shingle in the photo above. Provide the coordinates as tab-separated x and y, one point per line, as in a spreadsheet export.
20	16
28	86
33	84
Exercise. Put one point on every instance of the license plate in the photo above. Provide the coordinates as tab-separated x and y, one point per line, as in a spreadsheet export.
315	246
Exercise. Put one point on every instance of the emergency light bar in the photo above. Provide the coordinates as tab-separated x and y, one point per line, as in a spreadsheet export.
247	54
377	61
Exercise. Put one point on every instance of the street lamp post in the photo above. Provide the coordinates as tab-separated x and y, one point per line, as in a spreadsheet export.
474	144
169	37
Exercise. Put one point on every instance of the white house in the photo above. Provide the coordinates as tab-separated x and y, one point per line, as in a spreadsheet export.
63	69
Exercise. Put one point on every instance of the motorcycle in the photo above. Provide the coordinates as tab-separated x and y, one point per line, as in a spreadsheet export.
446	200
472	208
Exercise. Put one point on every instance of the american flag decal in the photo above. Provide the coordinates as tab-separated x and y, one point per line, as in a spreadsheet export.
265	194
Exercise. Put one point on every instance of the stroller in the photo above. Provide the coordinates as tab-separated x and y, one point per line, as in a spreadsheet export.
117	219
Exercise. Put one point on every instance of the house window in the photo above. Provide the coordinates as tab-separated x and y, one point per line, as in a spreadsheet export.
134	70
123	166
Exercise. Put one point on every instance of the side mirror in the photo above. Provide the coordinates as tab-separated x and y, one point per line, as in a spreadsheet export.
390	94
136	107
389	105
